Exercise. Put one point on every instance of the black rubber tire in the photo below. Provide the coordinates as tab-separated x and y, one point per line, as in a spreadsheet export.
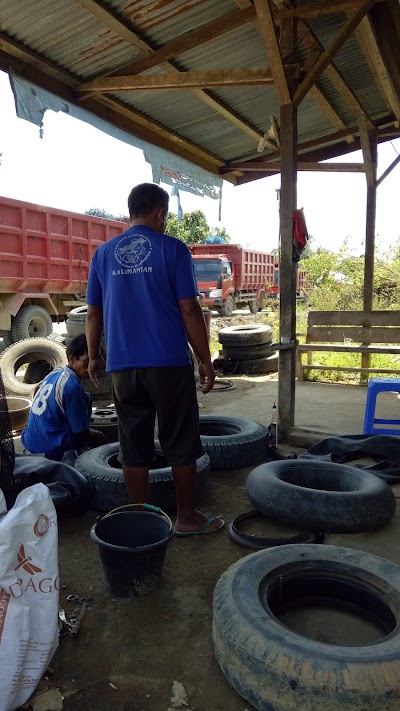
103	392
108	488
7	339
247	335
233	442
258	366
29	351
105	420
35	372
59	338
277	669
247	352
319	496
251	541
79	312
75	327
31	322
228	307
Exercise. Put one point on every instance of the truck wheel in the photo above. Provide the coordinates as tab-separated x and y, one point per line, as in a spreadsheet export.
31	322
258	366
276	668
253	306
7	340
248	335
247	352
227	307
104	473
29	351
321	496
233	442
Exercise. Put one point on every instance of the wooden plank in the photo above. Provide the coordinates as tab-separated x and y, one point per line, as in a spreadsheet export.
327	108
312	9
287	301
367	138
240	76
272	167
354	318
388	171
368	42
110	20
349	369
370	229
311	41
189	40
364	334
327	56
268	31
202	95
331	348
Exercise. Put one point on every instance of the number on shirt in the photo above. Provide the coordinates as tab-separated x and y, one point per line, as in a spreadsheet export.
40	401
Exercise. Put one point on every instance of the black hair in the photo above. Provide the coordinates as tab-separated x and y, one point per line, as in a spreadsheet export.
77	346
145	198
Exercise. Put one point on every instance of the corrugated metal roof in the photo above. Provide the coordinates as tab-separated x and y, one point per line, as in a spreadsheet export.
72	36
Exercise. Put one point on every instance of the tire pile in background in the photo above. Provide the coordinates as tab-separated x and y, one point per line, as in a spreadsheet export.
247	349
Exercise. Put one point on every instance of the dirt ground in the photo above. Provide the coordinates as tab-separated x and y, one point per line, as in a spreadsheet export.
130	651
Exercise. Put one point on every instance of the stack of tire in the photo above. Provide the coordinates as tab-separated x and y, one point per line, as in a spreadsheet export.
75	325
247	349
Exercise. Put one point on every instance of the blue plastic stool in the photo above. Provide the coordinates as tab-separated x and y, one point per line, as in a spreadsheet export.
375	386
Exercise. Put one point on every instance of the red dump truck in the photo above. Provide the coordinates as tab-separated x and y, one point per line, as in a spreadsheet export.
303	286
44	260
231	276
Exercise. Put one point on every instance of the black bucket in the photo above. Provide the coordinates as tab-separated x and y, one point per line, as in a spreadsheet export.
132	547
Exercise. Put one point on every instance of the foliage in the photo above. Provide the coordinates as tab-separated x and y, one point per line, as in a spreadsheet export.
99	212
193	227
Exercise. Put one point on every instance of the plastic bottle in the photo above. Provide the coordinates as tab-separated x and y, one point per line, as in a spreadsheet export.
273	418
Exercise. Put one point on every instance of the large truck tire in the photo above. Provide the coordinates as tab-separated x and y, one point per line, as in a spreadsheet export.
247	335
29	351
7	340
328	497
278	669
31	322
76	321
228	307
18	410
257	366
104	473
247	352
233	442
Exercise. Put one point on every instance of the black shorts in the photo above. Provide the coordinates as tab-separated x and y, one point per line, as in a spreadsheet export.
140	393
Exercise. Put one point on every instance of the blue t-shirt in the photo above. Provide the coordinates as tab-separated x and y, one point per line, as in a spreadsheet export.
138	278
61	408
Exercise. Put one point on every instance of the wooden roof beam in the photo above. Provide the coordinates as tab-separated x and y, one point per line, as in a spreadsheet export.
240	76
327	56
301	165
388	171
366	138
268	31
333	74
330	113
107	17
189	40
368	42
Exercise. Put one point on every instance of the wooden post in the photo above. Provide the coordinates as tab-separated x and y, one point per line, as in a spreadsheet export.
369	244
287	271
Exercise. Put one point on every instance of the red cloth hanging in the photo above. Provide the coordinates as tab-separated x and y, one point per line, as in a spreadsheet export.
300	233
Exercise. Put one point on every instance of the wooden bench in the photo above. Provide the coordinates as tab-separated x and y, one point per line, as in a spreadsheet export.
337	331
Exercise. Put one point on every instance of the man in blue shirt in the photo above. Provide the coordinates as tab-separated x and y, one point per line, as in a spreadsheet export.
59	418
142	286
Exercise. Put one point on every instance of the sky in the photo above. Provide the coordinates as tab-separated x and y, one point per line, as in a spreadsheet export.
77	167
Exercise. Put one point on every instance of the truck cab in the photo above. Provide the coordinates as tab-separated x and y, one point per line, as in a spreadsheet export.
215	279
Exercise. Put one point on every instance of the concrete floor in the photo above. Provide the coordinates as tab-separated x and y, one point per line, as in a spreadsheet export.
129	652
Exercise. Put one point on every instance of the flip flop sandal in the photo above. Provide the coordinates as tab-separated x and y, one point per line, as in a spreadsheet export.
205	529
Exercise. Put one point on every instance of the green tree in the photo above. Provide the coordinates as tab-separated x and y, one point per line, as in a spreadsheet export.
193	228
99	212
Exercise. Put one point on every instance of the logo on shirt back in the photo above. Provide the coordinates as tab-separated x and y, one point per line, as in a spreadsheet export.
132	250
